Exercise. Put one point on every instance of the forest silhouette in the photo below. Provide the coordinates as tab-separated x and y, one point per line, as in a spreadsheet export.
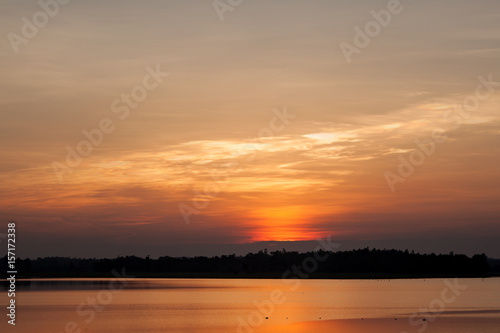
360	263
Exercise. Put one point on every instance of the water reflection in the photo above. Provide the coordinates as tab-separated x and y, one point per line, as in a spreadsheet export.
226	305
100	284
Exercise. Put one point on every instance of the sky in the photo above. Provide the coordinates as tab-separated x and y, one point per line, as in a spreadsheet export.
217	127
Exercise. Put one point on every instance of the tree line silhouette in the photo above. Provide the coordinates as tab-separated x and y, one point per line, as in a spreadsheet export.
360	263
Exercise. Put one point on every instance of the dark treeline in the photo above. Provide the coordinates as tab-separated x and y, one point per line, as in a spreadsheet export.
362	263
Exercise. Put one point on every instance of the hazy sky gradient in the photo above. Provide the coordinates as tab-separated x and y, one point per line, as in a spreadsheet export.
322	174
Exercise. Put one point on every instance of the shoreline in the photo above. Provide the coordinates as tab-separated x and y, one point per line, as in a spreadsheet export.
271	276
384	325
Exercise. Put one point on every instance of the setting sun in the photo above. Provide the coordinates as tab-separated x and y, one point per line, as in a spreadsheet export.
289	223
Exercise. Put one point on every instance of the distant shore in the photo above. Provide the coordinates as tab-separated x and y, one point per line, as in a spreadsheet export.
355	264
442	324
209	275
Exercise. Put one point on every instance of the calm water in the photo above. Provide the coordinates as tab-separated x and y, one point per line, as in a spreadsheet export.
221	305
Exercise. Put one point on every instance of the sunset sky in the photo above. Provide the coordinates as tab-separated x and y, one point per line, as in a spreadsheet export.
262	106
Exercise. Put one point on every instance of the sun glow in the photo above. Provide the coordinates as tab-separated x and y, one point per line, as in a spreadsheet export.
288	223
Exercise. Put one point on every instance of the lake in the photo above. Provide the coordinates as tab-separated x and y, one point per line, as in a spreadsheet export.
242	305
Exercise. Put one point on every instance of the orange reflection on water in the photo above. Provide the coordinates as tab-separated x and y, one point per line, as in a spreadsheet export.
342	326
